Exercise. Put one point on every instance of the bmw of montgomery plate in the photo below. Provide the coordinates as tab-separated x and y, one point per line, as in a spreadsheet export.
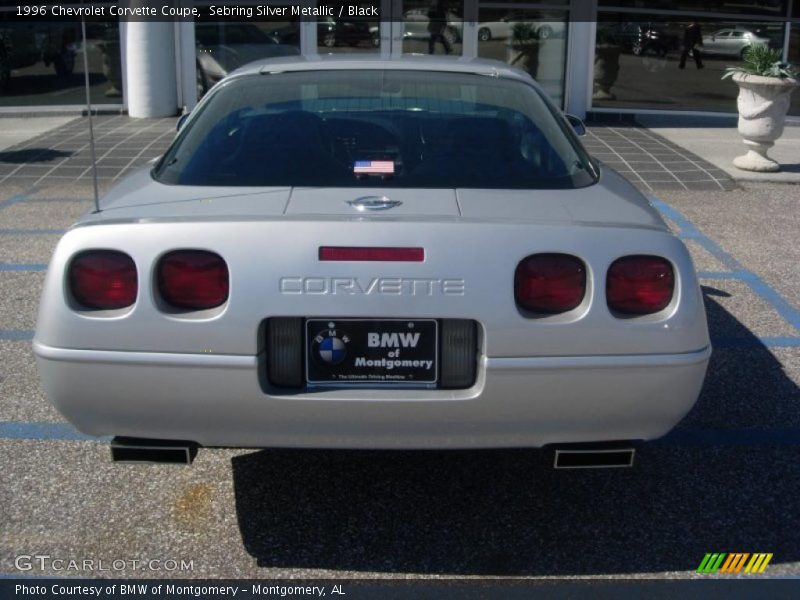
373	253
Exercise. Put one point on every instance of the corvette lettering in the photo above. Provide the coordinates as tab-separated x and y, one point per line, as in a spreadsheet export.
376	286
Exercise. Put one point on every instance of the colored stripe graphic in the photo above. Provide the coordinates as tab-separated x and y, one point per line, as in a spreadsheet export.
711	563
735	562
758	563
732	563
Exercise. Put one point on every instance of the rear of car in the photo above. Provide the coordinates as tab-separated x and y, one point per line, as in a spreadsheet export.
374	255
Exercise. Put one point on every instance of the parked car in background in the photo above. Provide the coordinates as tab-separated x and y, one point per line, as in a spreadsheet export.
641	38
221	48
731	42
503	29
331	33
358	252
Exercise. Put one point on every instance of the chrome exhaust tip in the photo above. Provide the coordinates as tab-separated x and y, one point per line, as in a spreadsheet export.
146	451
593	458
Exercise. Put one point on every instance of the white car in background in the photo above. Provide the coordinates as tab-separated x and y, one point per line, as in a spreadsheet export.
731	42
504	28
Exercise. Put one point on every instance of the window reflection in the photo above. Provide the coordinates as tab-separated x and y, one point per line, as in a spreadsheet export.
433	26
224	47
531	40
674	65
41	63
771	8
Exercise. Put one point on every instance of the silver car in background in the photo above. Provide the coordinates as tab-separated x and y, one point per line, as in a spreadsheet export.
731	42
374	253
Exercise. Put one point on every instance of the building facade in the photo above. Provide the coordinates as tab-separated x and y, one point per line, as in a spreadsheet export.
599	56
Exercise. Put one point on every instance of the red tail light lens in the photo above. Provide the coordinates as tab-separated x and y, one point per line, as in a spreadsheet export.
639	285
103	279
550	283
193	279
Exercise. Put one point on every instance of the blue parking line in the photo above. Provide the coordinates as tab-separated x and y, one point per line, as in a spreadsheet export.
13	200
689	231
719	275
13	335
21	430
22	267
16	231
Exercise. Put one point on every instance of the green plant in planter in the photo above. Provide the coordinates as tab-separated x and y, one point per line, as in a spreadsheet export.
764	61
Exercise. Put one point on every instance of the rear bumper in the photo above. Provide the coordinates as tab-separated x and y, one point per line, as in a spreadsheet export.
222	400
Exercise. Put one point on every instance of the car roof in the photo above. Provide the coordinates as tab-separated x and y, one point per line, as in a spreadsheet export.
413	62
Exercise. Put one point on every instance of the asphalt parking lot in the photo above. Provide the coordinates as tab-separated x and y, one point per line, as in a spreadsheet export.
725	480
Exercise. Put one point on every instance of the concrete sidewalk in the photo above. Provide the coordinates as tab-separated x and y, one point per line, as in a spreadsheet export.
717	141
18	130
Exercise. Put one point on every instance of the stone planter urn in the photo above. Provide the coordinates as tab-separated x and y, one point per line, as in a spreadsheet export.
606	70
762	103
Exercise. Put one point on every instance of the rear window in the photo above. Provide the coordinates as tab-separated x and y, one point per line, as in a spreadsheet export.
377	128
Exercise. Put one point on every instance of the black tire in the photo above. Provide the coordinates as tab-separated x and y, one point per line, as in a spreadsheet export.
743	52
544	32
484	34
637	49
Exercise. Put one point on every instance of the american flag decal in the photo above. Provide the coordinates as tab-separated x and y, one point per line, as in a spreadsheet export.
374	167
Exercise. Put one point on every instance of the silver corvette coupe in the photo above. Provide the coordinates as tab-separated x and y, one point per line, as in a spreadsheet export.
374	253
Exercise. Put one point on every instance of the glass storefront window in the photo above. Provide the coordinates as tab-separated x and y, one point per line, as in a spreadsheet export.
794	59
764	8
534	41
224	47
41	63
433	26
340	35
674	65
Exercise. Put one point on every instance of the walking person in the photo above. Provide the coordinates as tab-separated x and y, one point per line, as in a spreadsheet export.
692	41
437	25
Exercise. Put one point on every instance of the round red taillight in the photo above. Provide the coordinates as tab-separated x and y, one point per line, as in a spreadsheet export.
103	280
550	283
639	285
193	279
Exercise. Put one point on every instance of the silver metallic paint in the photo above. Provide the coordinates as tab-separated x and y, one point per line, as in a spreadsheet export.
585	375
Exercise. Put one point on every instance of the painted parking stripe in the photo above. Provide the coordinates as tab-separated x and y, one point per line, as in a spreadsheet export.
719	275
13	200
22	267
759	286
16	334
21	430
16	231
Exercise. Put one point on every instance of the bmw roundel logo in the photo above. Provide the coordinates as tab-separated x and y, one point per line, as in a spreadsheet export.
330	347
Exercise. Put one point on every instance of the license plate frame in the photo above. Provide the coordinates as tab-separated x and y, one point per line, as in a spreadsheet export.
332	353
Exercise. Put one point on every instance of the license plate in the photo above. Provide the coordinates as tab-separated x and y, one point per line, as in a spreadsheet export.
365	351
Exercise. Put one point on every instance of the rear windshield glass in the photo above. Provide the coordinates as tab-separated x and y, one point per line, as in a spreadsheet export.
376	128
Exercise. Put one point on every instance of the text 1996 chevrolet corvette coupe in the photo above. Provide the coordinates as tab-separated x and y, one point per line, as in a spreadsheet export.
373	253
